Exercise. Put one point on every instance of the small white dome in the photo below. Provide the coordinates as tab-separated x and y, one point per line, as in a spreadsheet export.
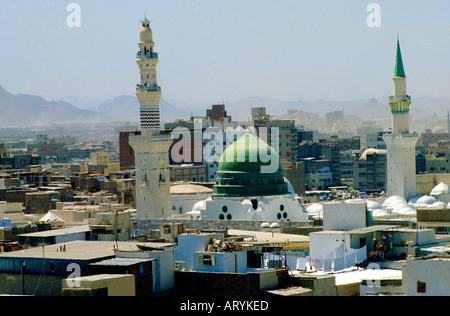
372	205
438	204
396	205
425	201
265	227
439	189
275	227
406	210
199	206
393	199
314	209
379	212
413	199
438	129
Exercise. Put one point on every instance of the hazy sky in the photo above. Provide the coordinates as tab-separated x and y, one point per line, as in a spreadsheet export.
225	50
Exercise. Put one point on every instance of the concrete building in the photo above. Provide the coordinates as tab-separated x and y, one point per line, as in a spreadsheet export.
151	148
436	218
369	171
100	285
287	140
438	164
428	276
55	236
375	140
188	173
401	144
349	225
318	175
126	152
55	263
218	113
201	139
432	137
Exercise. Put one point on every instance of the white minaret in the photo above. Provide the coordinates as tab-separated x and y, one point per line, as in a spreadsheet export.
151	148
148	91
401	144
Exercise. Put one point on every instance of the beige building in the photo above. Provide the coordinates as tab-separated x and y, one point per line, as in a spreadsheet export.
426	182
438	164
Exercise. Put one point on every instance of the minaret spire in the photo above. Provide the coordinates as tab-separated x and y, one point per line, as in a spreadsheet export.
399	71
399	101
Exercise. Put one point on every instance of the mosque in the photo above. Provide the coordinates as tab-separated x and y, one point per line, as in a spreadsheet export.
245	192
250	182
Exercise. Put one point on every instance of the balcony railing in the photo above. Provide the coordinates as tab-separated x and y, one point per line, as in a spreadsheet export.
406	98
150	88
149	55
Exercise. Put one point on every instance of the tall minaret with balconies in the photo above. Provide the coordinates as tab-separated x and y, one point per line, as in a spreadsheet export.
400	144
151	148
148	91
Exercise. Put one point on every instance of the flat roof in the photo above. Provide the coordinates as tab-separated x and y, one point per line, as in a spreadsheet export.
373	228
268	237
98	277
58	232
355	275
121	262
75	250
362	230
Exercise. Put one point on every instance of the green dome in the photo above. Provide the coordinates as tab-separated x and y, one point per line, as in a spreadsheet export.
246	168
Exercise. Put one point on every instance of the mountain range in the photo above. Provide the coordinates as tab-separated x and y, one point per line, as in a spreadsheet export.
23	110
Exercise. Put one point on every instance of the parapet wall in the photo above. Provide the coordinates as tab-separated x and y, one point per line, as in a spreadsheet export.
146	225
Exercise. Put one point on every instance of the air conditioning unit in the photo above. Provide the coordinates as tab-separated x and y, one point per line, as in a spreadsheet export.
206	260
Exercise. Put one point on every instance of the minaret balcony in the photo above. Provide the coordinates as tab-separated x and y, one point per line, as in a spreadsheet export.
148	88
406	98
149	55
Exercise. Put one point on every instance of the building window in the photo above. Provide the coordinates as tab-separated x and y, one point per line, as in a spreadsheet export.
255	204
421	287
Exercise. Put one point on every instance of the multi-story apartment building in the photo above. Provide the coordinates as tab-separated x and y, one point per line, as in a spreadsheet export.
369	171
438	164
375	140
428	138
287	133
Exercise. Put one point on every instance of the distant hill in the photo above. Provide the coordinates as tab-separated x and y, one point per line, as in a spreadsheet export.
30	110
24	110
126	108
